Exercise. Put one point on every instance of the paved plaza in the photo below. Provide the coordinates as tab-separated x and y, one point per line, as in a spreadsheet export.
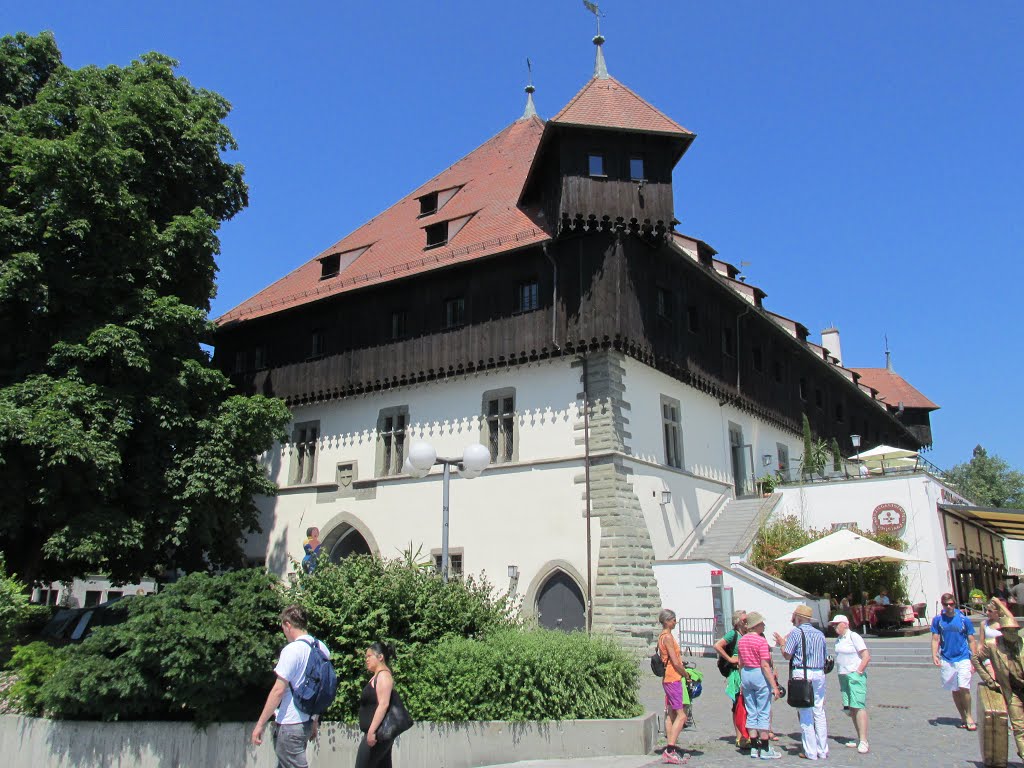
912	720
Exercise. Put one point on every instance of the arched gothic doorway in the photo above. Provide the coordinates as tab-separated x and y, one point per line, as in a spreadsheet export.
345	541
560	603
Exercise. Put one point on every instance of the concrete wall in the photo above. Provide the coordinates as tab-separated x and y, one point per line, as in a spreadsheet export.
30	743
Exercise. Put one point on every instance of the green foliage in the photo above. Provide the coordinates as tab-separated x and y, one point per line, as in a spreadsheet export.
120	448
32	665
779	536
202	649
365	599
14	607
837	457
988	481
522	675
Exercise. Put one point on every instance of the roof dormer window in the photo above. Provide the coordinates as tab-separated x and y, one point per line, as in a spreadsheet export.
428	204
330	265
432	202
437	235
442	233
333	264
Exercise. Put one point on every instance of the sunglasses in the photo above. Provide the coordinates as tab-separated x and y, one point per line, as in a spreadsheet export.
949	605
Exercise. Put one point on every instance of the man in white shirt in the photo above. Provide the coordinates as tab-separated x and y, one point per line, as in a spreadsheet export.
293	728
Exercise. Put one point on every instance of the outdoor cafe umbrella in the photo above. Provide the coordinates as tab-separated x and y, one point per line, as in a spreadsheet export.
846	547
884	453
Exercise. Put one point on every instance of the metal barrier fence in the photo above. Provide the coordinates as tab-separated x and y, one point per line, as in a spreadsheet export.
695	634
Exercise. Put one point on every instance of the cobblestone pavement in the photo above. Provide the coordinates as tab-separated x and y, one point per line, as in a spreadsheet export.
912	723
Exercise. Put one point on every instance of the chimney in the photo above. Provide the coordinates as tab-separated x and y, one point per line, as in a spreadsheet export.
830	341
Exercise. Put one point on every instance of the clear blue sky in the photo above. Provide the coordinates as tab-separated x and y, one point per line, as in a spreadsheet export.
865	158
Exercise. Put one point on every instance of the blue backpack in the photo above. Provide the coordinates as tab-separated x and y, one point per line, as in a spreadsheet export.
319	684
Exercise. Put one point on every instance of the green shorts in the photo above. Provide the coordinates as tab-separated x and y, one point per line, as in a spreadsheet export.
855	690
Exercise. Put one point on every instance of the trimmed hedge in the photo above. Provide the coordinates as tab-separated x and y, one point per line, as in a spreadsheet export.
522	676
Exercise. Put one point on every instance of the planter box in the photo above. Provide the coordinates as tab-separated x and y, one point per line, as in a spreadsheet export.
30	742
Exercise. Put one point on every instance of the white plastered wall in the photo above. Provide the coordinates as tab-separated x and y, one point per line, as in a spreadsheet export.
707	466
528	513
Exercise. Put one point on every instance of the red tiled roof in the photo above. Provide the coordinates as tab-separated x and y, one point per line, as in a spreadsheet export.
607	103
490	178
893	388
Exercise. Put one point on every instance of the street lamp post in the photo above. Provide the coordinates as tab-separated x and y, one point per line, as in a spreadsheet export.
855	442
951	554
422	456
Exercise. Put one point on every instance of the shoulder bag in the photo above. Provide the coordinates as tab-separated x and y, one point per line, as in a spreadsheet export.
397	719
800	693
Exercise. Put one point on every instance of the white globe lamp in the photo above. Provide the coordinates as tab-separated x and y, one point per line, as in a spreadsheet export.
421	457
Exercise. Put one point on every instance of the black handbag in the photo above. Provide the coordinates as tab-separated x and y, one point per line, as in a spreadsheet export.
397	720
800	693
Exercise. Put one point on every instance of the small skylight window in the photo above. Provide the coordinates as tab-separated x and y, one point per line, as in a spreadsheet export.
595	164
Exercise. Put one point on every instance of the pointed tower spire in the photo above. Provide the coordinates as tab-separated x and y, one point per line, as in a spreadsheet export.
600	68
530	110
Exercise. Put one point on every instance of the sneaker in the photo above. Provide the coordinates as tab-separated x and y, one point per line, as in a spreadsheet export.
670	756
755	752
863	747
770	754
852	744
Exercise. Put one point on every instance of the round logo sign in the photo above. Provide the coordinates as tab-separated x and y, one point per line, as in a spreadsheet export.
889	518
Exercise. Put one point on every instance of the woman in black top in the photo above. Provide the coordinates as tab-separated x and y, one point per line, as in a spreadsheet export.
373	705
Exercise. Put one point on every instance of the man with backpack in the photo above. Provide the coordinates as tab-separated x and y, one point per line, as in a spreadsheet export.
305	686
953	644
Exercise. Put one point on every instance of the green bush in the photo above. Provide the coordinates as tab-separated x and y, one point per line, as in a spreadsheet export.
32	665
14	607
202	649
521	675
365	599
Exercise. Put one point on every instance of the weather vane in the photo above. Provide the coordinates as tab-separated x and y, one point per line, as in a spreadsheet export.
592	7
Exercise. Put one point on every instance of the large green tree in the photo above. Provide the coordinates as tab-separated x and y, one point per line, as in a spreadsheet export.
988	481
121	448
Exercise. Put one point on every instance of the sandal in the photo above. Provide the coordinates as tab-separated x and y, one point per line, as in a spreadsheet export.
772	736
971	726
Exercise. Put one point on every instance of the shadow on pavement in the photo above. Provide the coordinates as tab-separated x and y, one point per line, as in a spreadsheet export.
953	721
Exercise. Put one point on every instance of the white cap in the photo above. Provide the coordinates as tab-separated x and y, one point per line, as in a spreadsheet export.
839	619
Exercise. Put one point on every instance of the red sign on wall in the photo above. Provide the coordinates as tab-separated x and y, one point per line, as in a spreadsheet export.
889	518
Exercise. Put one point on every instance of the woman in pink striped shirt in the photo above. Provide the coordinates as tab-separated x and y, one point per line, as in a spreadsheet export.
759	686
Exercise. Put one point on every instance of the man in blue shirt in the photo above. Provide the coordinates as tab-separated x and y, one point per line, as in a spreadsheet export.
953	644
813	725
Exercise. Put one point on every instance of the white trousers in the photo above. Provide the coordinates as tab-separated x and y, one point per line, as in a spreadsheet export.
813	726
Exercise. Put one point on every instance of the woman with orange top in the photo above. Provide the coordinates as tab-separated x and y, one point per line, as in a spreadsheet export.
672	682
